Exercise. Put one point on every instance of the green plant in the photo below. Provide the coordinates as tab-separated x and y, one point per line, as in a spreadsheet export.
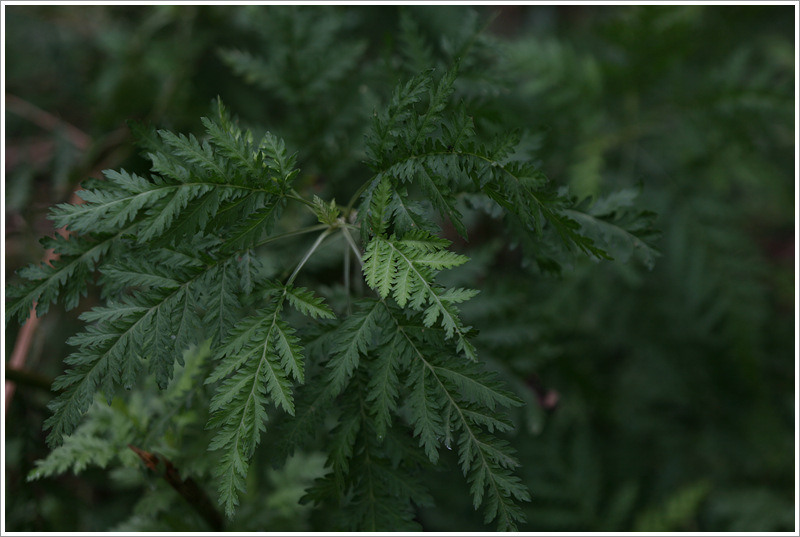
388	368
655	398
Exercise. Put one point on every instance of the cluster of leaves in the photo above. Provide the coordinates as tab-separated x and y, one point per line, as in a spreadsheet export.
175	254
381	393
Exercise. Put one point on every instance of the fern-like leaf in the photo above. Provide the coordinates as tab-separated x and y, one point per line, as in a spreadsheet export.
446	400
221	284
383	388
143	326
200	155
256	362
405	268
65	279
352	340
257	224
304	301
426	409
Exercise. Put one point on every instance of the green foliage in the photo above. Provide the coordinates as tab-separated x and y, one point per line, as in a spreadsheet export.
403	268
256	361
87	446
458	324
170	275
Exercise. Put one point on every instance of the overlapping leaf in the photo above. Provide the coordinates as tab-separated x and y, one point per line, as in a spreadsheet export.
405	269
257	361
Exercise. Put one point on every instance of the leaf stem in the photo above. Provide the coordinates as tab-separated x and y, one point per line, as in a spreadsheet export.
295	195
24	377
352	244
188	488
309	253
346	274
301	231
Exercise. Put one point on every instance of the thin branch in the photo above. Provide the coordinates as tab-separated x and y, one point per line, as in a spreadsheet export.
20	353
301	231
309	253
47	121
22	377
353	245
187	488
295	195
25	336
346	252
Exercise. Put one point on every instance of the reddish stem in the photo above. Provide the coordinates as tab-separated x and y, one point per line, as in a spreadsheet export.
187	488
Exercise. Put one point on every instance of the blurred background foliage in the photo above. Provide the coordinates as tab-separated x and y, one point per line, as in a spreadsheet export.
658	400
